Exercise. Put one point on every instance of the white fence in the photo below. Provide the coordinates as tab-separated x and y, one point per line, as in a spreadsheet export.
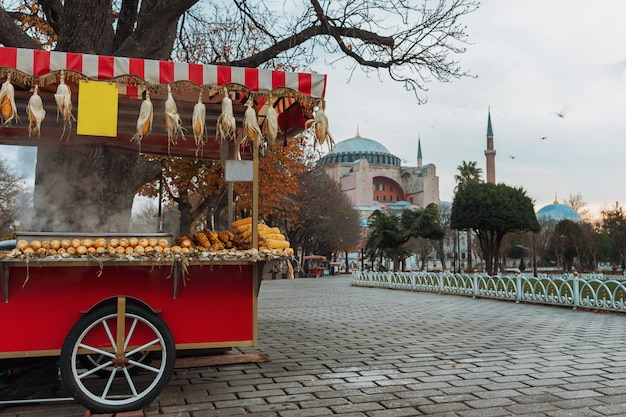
594	291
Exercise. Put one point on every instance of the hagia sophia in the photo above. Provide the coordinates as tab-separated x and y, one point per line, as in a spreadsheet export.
374	179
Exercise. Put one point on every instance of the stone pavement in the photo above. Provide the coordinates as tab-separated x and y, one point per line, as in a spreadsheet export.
347	351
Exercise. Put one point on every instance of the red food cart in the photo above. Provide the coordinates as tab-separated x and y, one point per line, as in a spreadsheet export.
115	323
315	265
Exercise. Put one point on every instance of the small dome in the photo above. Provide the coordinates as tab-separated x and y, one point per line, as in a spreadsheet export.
557	212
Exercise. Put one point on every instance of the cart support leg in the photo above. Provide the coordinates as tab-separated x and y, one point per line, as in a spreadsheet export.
121	322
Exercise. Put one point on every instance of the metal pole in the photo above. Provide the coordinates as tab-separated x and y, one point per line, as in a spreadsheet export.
160	209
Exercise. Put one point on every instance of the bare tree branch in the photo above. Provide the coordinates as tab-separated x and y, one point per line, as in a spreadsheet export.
12	35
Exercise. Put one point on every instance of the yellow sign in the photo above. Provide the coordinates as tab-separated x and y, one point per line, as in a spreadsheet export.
97	108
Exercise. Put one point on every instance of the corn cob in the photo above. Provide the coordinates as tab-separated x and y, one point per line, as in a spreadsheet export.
144	121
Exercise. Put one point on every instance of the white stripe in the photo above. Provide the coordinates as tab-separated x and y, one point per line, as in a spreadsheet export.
181	72
121	66
26	60
58	61
90	66
209	75
291	80
237	75
265	80
151	71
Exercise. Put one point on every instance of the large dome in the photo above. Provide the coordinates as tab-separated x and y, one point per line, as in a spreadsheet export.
557	212
353	149
358	144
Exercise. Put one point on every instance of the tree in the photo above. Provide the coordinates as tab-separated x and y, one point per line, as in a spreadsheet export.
10	188
412	43
468	172
388	233
323	220
491	211
577	203
614	225
196	187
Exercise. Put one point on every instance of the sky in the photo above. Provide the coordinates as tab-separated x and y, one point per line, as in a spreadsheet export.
531	60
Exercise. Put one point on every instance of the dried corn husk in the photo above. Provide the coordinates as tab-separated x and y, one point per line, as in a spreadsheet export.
270	127
319	126
63	99
226	128
173	122
251	130
36	113
7	103
198	121
144	121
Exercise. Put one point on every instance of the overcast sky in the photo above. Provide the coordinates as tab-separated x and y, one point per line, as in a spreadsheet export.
532	59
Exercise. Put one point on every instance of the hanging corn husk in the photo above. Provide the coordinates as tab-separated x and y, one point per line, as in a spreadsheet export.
63	99
270	127
319	126
173	122
226	124
7	102
144	121
36	113
198	121
251	130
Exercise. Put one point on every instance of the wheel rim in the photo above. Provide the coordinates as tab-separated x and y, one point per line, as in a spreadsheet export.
127	389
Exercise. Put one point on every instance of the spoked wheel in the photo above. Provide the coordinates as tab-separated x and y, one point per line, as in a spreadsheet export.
122	334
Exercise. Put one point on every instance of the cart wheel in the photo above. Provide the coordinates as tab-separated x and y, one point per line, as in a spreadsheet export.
96	334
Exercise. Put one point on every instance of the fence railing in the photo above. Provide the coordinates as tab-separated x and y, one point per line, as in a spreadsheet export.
594	291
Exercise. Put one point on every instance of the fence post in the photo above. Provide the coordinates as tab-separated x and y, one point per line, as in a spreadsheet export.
576	291
475	286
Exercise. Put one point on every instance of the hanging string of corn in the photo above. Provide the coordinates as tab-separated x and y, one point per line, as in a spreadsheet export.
270	127
36	113
144	121
7	102
63	99
173	121
251	131
226	128
319	128
198	121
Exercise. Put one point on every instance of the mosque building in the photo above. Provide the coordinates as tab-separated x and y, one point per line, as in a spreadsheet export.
374	179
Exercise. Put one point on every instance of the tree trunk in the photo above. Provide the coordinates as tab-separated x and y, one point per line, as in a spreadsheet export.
87	189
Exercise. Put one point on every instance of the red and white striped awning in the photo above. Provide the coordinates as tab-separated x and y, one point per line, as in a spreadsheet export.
293	95
39	63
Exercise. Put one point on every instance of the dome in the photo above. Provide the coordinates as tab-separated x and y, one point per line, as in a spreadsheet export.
557	212
358	144
351	150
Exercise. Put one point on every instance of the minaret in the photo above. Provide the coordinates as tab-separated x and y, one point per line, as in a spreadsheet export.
490	153
419	152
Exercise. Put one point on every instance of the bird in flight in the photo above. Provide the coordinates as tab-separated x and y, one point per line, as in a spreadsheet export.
544	138
512	156
561	113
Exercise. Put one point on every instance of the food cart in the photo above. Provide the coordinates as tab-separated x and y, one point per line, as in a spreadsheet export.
315	265
116	321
